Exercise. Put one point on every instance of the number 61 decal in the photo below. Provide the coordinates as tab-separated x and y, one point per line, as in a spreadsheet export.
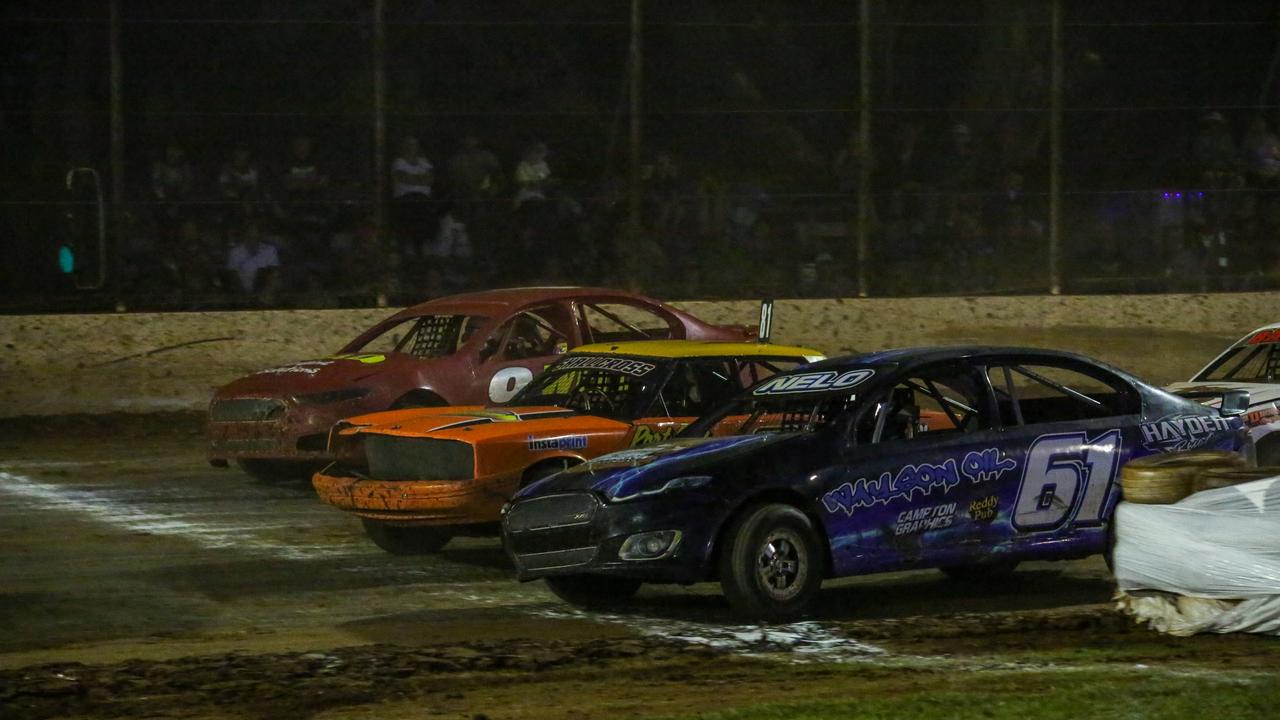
1066	472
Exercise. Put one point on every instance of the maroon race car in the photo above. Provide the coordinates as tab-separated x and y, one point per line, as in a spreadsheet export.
475	348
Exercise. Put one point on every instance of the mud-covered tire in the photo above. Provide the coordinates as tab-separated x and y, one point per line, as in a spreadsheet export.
402	540
771	566
275	471
980	572
593	592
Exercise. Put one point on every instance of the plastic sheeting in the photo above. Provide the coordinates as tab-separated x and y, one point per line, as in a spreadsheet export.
1218	549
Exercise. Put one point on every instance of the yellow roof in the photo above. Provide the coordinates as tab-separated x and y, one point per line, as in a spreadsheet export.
698	348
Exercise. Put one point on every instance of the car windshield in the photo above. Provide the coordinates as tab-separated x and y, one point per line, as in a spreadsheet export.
425	336
611	386
1246	363
757	415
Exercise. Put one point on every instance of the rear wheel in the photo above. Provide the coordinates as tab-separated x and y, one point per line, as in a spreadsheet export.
981	571
594	592
772	565
402	540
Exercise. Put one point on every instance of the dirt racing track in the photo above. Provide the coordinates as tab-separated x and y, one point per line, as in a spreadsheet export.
137	581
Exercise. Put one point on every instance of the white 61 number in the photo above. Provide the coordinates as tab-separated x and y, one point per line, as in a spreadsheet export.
1066	472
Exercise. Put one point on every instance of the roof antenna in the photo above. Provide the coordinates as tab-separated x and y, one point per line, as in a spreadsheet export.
766	321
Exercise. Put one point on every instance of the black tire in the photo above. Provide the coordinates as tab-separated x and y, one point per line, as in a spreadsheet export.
275	471
410	540
980	572
771	566
593	592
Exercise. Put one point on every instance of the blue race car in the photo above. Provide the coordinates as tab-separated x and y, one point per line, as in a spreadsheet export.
968	459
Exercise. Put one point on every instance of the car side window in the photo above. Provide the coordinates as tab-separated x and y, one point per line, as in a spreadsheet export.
1041	392
529	334
696	387
933	401
615	322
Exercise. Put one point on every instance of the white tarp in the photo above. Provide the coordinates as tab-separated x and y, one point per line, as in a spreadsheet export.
1212	560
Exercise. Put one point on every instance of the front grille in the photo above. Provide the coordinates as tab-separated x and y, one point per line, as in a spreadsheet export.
392	457
552	531
246	410
552	511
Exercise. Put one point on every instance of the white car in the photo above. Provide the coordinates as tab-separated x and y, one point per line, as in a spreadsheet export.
1252	364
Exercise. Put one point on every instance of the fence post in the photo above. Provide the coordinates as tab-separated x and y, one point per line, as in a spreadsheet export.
116	62
634	76
864	142
1055	150
379	118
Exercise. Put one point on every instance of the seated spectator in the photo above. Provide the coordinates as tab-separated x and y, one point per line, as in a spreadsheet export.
253	262
172	177
533	175
412	212
474	171
240	179
303	184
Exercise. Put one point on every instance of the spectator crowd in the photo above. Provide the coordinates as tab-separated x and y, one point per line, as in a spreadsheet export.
953	210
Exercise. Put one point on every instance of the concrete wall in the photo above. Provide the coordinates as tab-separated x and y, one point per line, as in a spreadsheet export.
56	364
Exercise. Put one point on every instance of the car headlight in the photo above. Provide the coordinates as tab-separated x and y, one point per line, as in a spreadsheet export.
687	482
329	397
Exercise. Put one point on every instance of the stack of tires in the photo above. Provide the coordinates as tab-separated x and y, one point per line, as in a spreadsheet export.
1166	478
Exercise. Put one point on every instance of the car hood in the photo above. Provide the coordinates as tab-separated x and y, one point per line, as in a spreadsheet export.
458	422
628	473
312	376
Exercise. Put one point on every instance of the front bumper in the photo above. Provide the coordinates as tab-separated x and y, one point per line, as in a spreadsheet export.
577	533
289	433
417	502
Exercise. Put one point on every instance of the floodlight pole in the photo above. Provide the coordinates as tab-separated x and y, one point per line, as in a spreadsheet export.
116	62
1055	149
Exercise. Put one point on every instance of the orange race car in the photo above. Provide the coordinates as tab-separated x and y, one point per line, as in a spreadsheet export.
418	477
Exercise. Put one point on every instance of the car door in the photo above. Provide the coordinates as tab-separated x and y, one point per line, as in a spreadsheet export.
1070	427
923	447
523	346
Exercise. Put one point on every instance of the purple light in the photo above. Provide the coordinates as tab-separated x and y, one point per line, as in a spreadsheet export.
1166	196
1178	195
1200	194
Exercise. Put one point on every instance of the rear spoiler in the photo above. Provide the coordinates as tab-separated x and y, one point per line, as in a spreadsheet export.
1230	402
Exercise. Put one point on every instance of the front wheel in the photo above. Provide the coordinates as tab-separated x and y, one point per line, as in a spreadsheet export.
771	567
401	540
594	592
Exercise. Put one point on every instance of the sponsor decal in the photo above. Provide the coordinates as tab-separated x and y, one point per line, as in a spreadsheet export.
983	510
1262	416
366	358
649	434
978	466
813	382
568	442
307	367
613	364
1265	336
917	520
1181	432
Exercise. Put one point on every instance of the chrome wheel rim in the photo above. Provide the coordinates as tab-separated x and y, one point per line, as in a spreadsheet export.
780	565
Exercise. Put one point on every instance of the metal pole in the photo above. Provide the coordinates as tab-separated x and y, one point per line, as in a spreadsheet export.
379	117
117	137
1055	150
864	143
635	61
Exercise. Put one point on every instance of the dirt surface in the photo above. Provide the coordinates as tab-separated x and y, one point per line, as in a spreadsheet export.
137	581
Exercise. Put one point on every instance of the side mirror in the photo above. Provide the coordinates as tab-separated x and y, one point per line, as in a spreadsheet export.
1234	402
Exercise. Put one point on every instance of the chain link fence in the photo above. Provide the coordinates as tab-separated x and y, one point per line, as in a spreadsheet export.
356	152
